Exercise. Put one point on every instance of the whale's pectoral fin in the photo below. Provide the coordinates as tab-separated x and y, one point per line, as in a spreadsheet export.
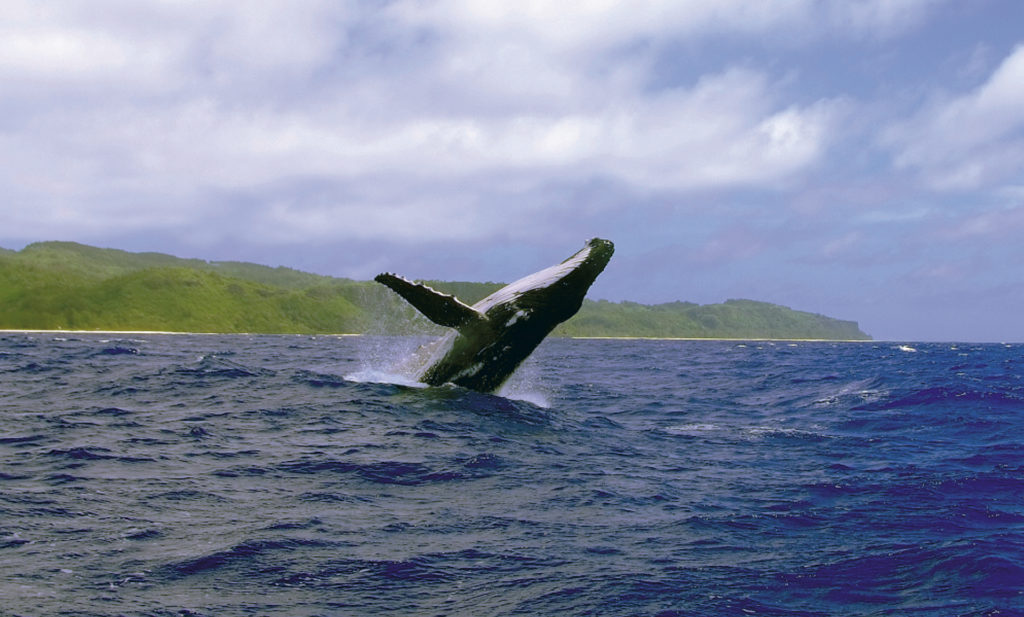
442	309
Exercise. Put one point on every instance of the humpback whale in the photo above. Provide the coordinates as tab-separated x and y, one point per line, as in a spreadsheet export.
491	338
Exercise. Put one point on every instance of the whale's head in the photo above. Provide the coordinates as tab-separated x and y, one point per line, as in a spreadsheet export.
598	252
556	292
583	269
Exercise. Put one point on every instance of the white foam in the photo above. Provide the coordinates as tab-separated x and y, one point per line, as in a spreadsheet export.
691	429
761	431
533	397
378	376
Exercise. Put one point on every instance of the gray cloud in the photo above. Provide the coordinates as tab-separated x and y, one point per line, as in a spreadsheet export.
126	116
723	142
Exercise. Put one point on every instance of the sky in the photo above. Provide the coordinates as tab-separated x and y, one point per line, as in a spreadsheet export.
863	159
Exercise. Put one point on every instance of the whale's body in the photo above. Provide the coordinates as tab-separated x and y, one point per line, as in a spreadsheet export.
492	337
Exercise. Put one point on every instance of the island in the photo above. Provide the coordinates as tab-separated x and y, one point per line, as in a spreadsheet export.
71	286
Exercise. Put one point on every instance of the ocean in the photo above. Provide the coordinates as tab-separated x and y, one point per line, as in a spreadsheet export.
173	475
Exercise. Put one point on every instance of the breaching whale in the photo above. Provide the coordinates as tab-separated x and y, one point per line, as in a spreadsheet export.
492	337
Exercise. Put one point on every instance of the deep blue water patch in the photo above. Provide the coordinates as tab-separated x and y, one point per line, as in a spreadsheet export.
259	475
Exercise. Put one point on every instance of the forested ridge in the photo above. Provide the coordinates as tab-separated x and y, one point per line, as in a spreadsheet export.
70	286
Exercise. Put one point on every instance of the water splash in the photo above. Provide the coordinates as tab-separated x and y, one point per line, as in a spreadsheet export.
401	359
534	397
525	385
389	359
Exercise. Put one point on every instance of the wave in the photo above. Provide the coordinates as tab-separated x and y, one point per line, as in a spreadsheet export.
404	473
118	350
256	475
219	366
945	395
906	578
746	433
239	556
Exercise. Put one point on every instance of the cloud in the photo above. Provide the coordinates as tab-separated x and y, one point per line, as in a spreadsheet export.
1004	224
575	26
968	141
877	18
725	130
128	115
733	243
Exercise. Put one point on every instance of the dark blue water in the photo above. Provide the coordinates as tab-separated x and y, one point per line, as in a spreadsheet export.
245	475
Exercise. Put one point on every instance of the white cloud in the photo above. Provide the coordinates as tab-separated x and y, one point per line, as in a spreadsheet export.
991	225
129	113
63	52
176	45
574	26
876	17
841	246
969	140
727	130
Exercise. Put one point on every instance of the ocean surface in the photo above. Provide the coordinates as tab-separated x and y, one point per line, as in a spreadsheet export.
178	475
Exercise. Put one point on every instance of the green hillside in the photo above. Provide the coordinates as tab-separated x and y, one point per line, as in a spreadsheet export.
64	285
732	319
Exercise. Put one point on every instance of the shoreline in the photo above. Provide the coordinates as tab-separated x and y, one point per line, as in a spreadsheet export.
115	332
576	338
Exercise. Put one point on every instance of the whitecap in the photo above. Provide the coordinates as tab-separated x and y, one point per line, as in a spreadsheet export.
777	431
691	429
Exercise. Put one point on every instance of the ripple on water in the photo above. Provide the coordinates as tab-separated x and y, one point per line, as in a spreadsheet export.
277	476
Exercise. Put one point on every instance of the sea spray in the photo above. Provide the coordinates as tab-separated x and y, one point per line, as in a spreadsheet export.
389	359
527	384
